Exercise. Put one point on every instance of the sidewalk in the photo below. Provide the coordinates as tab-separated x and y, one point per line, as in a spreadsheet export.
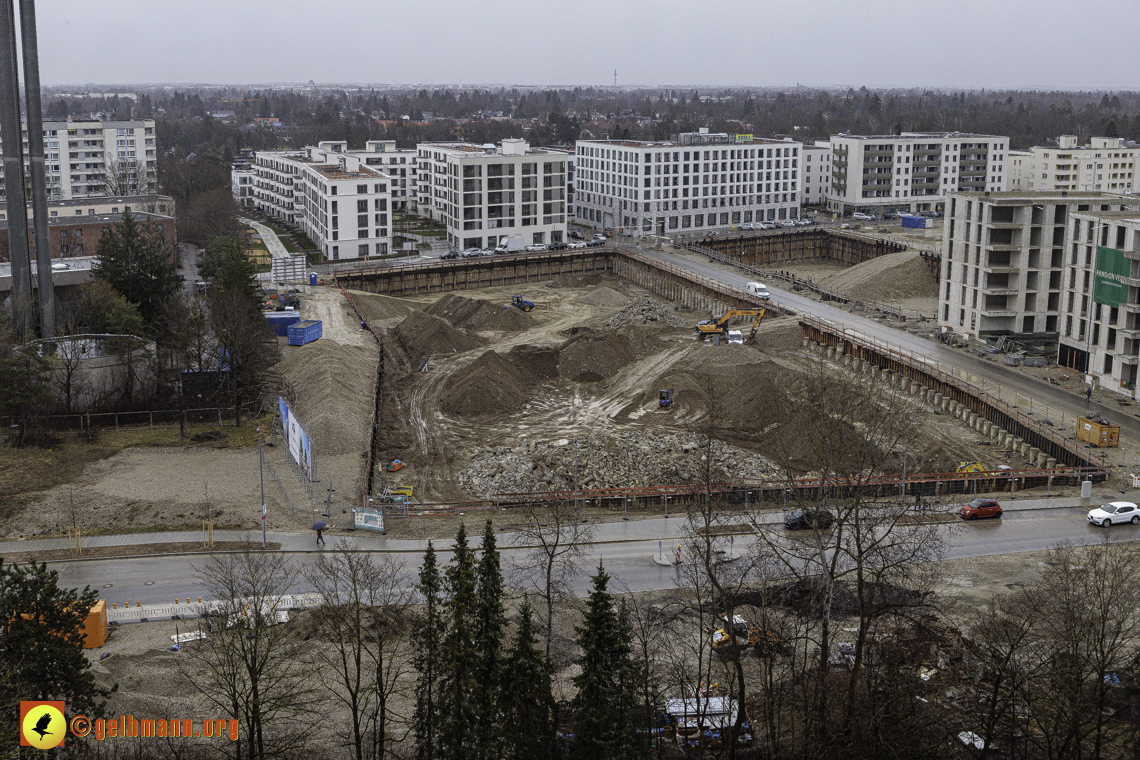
272	243
654	529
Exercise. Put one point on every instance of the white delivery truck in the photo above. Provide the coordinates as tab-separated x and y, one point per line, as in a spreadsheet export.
758	289
511	245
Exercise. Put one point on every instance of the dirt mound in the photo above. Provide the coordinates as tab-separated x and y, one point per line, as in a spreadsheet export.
540	361
604	296
476	314
334	393
645	311
885	278
490	385
422	334
594	355
378	308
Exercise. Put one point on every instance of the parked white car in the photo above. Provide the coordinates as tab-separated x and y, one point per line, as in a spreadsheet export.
1115	512
576	244
747	226
863	217
535	247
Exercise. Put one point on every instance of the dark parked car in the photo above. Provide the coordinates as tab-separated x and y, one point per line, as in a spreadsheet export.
980	508
596	243
802	519
449	255
557	247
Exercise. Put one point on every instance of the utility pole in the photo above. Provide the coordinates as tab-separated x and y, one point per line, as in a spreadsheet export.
37	168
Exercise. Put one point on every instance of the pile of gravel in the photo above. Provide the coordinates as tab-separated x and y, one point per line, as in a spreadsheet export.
645	311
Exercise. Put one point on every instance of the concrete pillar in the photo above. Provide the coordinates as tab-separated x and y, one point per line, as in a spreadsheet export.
938	399
831	352
874	373
1051	463
806	342
953	407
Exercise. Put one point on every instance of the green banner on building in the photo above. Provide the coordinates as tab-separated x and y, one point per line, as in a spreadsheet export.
1111	269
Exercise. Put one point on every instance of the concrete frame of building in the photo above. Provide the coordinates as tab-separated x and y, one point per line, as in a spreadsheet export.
912	172
486	194
647	187
1004	262
90	158
1107	347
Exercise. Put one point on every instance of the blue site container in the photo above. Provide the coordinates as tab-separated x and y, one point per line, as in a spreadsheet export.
279	321
917	222
304	332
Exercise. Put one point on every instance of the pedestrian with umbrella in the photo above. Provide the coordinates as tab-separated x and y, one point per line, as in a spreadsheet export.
319	527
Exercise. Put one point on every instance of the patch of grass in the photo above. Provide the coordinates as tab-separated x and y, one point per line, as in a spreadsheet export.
30	470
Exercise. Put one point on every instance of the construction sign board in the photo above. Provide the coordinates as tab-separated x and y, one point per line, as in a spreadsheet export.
1112	266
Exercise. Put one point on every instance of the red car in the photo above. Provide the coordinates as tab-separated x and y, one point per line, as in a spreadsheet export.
980	508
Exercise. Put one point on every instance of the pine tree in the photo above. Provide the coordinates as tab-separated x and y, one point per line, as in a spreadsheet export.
489	626
528	714
427	635
604	715
459	655
133	259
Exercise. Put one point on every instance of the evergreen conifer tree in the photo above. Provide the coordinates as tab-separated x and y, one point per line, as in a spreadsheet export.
427	636
459	654
604	715
134	259
490	624
529	708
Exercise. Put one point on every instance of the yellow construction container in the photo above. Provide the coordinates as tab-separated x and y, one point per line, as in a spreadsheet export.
1098	433
95	627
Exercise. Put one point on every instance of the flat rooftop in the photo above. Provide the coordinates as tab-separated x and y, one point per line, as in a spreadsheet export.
81	219
918	136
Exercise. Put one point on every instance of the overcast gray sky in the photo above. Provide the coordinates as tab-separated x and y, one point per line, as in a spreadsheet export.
956	43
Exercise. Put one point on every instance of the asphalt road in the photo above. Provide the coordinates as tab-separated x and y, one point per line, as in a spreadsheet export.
996	376
160	579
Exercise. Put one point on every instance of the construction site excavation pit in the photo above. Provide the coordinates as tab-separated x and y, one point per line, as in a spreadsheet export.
484	399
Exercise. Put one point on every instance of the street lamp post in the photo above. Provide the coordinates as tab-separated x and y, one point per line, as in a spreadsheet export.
261	475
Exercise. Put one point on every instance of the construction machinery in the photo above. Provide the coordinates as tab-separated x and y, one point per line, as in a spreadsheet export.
967	467
762	640
521	303
394	466
719	325
665	399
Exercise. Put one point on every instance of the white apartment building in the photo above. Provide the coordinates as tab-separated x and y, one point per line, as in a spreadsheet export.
400	165
1107	346
691	182
1017	170
912	172
1107	164
817	173
483	194
330	193
95	158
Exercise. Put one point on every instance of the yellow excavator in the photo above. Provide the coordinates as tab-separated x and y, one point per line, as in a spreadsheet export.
719	325
967	467
762	640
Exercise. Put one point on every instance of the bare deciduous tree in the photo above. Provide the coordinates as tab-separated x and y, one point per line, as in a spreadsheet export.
364	617
249	666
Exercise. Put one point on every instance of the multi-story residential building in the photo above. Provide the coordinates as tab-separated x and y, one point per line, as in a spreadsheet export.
1108	164
330	193
1101	331
242	179
401	165
817	173
912	172
1017	170
691	182
483	194
92	158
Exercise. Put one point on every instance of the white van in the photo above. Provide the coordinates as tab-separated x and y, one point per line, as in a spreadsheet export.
758	289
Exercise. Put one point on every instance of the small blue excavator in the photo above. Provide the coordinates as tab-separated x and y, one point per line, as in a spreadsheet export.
665	400
522	304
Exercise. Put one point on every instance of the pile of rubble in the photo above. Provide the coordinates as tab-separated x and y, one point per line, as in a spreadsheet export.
608	460
644	311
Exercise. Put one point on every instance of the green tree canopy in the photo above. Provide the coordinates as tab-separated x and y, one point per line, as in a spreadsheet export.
40	638
133	258
25	388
